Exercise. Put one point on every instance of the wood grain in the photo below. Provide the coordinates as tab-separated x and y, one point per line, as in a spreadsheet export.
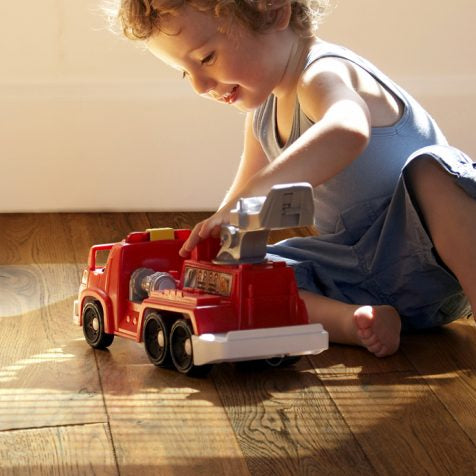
67	409
351	360
401	425
287	423
448	367
44	370
177	219
78	450
164	422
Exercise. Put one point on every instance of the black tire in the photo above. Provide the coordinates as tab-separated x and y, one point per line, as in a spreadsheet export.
181	350
280	362
156	336
93	326
265	364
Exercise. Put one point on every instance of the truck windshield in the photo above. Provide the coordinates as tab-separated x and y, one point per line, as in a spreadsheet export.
101	258
98	256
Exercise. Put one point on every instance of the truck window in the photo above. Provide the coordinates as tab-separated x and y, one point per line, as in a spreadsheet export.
101	257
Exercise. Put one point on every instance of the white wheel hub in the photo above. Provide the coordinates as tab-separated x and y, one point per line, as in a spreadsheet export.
188	347
161	338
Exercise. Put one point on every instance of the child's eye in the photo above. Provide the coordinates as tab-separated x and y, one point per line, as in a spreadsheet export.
209	59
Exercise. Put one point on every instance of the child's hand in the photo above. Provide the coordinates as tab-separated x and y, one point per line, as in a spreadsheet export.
209	227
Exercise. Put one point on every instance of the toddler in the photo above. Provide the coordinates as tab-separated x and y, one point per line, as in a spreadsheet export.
395	205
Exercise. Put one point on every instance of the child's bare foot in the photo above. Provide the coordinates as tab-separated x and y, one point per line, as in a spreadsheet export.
378	328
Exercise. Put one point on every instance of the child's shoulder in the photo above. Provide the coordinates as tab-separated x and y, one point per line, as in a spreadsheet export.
327	61
326	77
332	72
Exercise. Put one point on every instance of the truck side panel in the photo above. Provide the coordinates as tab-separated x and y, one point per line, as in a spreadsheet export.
270	298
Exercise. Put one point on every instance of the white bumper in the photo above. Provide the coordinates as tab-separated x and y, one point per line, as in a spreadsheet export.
259	343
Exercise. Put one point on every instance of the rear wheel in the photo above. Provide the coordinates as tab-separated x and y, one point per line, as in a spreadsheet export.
265	364
156	340
93	326
181	350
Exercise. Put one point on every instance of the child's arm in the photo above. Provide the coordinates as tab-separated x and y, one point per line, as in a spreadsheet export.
252	161
340	133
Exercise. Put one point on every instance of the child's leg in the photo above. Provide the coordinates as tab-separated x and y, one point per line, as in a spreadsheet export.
450	216
375	327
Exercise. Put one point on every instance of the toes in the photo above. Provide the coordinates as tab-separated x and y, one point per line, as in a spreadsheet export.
364	317
372	343
365	333
383	352
378	329
376	348
370	340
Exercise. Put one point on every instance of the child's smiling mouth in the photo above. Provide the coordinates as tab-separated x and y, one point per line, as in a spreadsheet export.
230	97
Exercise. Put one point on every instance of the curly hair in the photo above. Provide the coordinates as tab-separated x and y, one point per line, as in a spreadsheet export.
140	19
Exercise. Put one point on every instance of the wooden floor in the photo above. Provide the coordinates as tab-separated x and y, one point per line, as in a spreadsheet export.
66	409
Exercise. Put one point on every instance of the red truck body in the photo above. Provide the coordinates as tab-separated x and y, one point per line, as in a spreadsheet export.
213	299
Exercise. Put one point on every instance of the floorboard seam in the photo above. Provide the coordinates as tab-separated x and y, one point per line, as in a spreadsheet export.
346	423
448	410
245	459
108	420
45	427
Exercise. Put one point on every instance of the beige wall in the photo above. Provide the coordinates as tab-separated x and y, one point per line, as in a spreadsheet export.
88	121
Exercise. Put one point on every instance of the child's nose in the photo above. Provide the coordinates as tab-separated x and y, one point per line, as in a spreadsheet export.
202	84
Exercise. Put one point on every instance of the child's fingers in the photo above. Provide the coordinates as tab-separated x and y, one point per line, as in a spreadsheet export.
198	233
184	252
215	231
209	227
190	244
187	247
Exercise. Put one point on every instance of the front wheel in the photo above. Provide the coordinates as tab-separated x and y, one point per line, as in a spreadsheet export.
93	326
181	350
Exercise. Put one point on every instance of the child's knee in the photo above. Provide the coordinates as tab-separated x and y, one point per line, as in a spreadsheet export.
424	175
423	168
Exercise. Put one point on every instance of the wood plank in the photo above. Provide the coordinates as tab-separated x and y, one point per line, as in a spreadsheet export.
33	238
352	360
47	379
447	363
61	237
400	424
88	229
177	219
79	450
341	412
163	422
286	423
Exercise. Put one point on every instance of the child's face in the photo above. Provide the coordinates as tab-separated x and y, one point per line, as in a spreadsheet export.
241	70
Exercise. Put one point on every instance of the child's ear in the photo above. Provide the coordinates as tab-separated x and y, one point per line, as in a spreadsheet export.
279	18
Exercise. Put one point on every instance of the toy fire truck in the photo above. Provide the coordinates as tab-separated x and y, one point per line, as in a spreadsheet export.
225	303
